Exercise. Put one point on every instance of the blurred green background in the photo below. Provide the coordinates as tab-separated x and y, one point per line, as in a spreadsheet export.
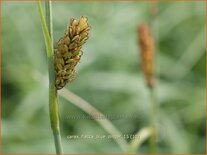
109	76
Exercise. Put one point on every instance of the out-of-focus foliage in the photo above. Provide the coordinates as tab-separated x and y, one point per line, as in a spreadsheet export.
109	76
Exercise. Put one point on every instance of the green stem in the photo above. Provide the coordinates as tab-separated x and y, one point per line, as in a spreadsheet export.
153	117
89	109
134	144
53	102
152	142
48	14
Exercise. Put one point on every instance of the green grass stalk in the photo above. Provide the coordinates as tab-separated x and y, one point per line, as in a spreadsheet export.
153	116
53	102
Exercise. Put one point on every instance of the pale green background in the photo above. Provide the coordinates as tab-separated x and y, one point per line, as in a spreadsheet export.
109	76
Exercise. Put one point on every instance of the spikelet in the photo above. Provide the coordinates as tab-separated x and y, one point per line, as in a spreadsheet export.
68	51
146	44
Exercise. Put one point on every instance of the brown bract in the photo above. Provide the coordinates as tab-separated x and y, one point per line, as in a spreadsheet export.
68	51
146	44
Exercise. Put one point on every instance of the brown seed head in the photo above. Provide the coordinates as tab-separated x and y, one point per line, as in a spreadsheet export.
146	44
68	51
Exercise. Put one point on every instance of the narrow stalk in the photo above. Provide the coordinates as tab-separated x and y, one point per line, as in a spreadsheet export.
48	15
142	135
92	111
152	142
153	114
53	103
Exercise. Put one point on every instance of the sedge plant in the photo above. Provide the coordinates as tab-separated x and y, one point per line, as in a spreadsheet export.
61	61
146	44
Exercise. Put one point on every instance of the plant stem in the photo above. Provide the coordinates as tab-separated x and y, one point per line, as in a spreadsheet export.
153	117
48	14
92	111
152	142
142	135
53	103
